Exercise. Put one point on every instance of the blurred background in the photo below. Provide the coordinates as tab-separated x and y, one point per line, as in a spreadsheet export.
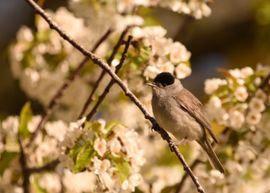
236	34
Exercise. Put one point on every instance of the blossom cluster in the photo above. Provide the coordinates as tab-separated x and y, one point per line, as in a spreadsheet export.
165	54
111	151
238	100
107	156
196	8
239	109
41	60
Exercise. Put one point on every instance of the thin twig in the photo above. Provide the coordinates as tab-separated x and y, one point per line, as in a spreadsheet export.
180	185
102	74
25	172
125	89
110	84
265	81
47	167
65	85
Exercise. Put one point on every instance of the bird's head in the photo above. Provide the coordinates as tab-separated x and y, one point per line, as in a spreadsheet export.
164	82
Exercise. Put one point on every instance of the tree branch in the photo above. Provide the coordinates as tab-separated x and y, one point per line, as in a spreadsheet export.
102	74
125	89
65	85
108	87
265	81
184	178
47	167
24	168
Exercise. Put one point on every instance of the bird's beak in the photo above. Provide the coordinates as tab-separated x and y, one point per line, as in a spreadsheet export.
151	84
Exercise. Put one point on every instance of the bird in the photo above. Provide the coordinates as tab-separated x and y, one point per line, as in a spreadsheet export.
179	112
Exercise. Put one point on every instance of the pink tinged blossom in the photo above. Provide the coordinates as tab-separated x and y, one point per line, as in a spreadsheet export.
241	93
215	102
107	180
100	146
56	129
74	183
137	32
125	185
256	105
160	46
50	182
260	94
178	53
96	164
166	67
100	165
257	81
246	72
182	71
236	73
105	165
32	74
151	71
236	119
211	85
114	145
215	176
11	124
253	117
135	180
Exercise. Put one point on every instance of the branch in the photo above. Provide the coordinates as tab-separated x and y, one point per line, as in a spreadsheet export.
182	182
125	89
65	85
108	87
265	81
47	167
24	168
102	74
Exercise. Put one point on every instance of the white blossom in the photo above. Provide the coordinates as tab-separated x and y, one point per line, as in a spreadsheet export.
256	105
50	182
178	53
246	72
182	71
211	85
114	145
253	117
236	119
260	94
11	124
241	93
57	129
100	146
74	183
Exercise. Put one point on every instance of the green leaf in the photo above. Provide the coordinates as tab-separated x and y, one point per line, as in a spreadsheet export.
83	157
25	117
167	158
43	36
96	126
122	166
109	126
169	189
73	152
137	190
38	188
5	159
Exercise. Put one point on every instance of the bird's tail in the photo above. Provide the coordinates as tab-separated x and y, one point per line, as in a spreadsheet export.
212	155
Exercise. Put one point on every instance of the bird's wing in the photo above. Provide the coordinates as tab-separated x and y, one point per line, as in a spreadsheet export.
194	107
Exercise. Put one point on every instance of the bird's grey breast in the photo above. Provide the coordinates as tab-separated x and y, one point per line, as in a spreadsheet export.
174	119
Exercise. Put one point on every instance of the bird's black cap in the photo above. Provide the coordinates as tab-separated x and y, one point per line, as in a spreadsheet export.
164	79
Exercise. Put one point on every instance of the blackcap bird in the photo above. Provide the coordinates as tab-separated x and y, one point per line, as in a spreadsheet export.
178	111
